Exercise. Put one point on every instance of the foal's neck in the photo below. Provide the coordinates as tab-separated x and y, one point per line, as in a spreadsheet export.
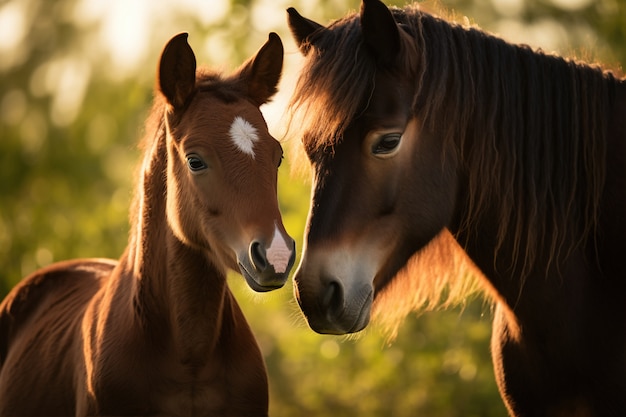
175	289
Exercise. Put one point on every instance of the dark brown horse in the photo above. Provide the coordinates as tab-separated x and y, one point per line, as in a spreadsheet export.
437	137
159	332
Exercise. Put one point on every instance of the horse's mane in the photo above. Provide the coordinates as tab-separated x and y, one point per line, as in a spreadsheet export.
529	128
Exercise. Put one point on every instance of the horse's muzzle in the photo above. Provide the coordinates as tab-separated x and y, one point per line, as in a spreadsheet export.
332	309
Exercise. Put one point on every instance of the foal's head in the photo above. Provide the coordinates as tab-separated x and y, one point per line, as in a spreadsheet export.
222	163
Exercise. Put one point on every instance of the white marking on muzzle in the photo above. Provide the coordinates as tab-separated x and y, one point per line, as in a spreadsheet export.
278	253
244	135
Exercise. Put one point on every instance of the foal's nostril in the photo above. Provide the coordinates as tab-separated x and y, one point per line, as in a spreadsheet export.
258	257
332	299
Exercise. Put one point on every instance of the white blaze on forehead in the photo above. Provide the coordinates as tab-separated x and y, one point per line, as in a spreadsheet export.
243	135
278	254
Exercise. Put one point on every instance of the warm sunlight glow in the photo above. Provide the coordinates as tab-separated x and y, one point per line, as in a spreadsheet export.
12	31
508	7
267	15
124	28
571	5
128	27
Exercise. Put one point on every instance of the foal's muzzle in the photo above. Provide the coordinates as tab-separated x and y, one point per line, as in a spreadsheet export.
266	267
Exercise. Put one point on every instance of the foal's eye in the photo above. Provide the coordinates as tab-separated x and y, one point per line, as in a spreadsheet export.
387	144
195	163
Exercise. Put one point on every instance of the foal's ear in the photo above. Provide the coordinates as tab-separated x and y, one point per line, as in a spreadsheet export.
301	28
176	77
262	72
380	31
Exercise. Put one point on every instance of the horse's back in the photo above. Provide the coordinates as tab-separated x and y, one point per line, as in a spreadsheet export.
40	336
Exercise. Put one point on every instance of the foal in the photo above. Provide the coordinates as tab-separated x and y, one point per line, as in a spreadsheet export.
159	332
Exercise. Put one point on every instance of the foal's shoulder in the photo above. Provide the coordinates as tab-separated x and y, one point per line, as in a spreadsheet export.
53	278
73	281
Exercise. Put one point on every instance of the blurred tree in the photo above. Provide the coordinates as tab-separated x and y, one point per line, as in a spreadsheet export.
75	85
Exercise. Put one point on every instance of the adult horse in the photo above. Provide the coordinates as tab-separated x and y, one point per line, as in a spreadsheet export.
159	332
439	136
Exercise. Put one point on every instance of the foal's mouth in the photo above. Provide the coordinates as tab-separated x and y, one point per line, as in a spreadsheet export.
252	278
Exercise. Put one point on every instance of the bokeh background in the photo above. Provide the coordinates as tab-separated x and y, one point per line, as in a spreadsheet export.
76	80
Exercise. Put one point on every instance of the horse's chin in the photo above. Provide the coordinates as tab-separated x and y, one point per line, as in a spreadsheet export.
336	328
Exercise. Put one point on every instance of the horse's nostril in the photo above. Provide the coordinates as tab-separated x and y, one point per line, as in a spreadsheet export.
332	299
257	256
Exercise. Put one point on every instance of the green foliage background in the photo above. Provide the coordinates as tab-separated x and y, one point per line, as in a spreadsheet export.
67	166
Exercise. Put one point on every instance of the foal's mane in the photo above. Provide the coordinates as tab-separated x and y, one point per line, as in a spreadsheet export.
528	127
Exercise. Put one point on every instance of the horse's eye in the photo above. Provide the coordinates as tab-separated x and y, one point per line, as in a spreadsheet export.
195	163
387	144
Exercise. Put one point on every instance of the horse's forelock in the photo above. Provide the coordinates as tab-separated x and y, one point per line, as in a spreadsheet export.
338	77
334	82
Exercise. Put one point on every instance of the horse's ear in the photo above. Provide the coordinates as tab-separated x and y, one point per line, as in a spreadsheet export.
301	28
176	77
380	31
262	72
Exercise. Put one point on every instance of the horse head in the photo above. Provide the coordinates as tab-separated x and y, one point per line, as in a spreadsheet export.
382	188
222	162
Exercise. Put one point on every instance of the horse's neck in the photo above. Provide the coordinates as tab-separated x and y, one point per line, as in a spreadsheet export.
611	227
174	287
524	225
